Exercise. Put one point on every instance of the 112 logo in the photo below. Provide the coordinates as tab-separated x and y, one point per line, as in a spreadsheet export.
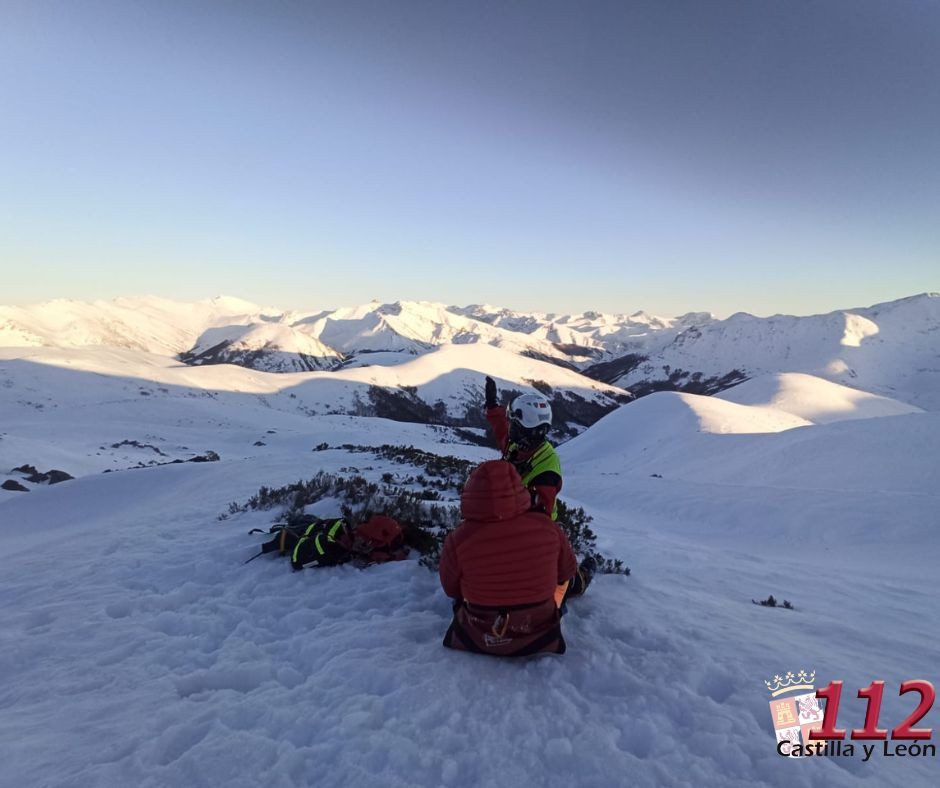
801	726
874	693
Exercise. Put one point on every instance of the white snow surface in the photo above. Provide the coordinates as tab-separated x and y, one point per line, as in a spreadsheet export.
814	399
148	323
888	349
612	334
137	649
286	349
33	378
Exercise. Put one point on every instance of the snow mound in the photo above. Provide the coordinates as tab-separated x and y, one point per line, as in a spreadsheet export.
670	416
815	399
895	454
681	436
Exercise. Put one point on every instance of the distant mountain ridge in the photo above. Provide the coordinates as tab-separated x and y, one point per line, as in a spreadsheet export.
205	330
892	349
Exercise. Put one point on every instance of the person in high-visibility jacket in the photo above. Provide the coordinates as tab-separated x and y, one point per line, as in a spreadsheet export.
521	435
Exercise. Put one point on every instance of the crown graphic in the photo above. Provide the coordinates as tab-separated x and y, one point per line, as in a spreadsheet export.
791	681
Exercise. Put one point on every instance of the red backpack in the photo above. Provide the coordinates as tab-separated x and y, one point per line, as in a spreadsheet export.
383	538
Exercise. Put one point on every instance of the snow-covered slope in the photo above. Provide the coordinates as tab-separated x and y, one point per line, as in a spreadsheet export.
137	649
657	420
445	373
151	324
269	346
415	327
709	440
229	330
815	399
64	408
890	349
599	335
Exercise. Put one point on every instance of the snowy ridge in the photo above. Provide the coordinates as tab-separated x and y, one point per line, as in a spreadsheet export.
432	362
707	439
277	346
447	372
888	349
151	324
66	407
413	327
606	334
817	400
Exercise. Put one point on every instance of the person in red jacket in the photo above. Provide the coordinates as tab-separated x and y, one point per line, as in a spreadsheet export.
521	436
502	566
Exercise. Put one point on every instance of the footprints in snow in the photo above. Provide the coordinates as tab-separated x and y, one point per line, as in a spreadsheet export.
120	609
240	679
174	743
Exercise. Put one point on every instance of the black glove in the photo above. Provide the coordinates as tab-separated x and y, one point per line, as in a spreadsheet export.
490	392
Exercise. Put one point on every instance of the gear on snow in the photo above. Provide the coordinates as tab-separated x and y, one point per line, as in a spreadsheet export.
330	542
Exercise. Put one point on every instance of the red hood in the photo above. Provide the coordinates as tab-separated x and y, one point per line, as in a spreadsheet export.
494	491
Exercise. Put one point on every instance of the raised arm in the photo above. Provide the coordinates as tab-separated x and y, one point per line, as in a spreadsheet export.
496	416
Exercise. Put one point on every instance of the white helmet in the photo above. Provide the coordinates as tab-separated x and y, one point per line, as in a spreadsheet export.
530	411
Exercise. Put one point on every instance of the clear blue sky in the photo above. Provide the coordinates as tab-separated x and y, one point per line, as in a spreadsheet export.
559	156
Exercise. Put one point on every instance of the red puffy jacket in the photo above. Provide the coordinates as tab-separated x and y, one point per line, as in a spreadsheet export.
503	554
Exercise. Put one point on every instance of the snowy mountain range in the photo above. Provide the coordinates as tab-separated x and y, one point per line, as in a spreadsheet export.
137	649
224	330
887	348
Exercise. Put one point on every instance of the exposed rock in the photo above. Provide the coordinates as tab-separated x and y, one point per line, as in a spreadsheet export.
138	445
209	456
55	476
38	477
14	486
